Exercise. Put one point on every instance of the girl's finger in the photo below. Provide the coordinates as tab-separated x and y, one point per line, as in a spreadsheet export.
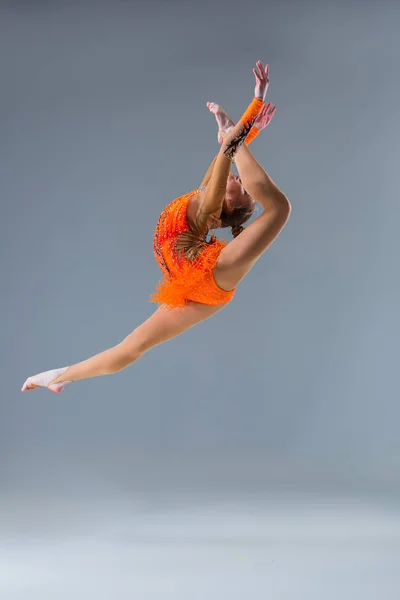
267	71
260	67
256	74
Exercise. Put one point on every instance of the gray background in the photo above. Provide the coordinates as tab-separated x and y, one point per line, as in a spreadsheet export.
274	424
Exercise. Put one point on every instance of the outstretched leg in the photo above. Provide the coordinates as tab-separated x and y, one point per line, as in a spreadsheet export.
163	325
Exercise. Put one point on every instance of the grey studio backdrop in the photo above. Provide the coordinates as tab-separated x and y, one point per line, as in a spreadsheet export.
289	396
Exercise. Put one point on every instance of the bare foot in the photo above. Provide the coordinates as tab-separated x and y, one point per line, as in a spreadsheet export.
224	121
44	380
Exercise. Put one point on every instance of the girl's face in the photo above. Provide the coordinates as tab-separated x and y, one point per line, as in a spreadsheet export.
235	195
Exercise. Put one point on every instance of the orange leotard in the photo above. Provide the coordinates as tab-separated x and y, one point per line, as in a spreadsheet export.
185	279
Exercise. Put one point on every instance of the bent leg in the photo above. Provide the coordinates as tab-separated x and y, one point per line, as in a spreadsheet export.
240	255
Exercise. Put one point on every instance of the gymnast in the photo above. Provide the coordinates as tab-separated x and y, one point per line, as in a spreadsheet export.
200	272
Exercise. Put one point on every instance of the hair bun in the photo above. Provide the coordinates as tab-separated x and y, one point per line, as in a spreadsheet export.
237	230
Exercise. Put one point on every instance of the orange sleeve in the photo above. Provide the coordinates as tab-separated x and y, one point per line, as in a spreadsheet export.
252	111
254	131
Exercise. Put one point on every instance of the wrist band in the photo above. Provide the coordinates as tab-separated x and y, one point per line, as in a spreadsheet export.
247	121
252	111
254	131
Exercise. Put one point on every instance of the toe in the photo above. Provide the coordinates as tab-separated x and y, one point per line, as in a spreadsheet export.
29	386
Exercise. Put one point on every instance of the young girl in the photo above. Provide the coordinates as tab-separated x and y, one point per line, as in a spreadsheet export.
200	275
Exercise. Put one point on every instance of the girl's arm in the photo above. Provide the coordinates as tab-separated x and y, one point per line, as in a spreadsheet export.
214	195
207	176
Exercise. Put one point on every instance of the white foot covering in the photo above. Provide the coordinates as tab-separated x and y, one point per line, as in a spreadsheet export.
43	380
224	121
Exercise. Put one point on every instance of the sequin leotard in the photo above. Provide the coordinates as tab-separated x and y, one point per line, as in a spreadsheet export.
186	278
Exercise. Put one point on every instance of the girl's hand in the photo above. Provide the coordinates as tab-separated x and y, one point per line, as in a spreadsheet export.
262	80
265	116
